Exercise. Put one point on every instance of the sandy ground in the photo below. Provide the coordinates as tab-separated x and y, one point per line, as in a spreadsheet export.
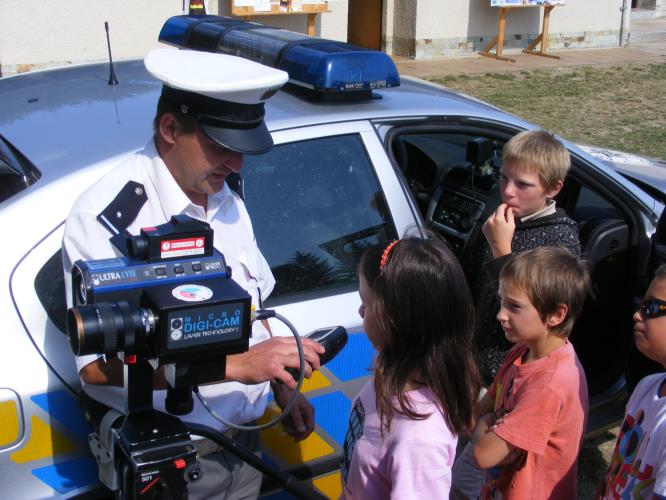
594	458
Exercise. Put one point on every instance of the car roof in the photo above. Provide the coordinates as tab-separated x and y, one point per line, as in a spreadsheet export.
68	118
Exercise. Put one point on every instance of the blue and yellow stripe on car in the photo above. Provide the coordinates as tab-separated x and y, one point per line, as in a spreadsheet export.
330	392
73	468
59	432
11	422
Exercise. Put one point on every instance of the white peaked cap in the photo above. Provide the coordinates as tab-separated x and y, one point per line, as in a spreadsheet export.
226	94
218	76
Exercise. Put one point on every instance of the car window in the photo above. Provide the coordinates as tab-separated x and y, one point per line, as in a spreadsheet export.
16	171
315	206
590	205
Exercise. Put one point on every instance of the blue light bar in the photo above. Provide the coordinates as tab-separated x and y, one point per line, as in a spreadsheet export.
325	67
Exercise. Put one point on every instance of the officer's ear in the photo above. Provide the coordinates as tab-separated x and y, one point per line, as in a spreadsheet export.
168	128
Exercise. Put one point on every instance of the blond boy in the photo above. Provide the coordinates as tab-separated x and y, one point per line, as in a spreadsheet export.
534	166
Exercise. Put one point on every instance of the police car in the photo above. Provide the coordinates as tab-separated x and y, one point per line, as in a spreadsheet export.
360	156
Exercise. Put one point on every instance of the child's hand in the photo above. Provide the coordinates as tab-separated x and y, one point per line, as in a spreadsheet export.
499	229
299	423
483	425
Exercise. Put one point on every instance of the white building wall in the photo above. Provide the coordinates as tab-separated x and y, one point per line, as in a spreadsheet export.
38	34
333	25
43	33
660	8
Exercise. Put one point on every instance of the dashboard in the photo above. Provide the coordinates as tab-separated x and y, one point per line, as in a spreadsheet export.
454	178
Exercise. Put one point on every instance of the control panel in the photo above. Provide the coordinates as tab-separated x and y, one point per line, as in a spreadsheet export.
454	214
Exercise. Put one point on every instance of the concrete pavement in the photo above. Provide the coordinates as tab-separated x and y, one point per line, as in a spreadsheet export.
647	45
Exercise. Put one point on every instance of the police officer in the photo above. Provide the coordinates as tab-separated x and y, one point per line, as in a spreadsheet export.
210	113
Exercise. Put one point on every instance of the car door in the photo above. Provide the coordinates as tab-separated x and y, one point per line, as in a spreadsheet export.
317	200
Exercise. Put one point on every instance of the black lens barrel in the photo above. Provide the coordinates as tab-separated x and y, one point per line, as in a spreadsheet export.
104	328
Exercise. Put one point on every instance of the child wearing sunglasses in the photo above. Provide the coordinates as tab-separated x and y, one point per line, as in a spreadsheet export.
638	466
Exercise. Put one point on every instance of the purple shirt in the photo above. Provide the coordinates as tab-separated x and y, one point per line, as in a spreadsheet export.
413	460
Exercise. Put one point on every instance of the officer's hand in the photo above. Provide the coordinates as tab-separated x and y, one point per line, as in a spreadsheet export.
499	229
267	361
299	423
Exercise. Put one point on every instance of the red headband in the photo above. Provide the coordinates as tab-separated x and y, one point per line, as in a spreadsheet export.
386	253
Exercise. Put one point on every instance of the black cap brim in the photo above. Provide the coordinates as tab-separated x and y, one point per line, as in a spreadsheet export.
252	141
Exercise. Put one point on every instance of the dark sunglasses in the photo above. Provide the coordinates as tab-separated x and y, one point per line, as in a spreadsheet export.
652	308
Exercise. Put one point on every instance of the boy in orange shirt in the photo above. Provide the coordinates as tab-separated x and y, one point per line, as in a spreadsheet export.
533	415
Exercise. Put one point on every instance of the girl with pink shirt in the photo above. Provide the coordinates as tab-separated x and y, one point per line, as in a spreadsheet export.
403	427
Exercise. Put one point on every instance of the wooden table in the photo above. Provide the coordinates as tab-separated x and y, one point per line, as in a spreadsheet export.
498	40
310	10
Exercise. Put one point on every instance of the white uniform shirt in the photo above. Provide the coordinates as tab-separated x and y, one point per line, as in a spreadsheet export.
85	238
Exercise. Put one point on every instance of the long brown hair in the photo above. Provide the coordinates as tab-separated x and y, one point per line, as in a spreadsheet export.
426	316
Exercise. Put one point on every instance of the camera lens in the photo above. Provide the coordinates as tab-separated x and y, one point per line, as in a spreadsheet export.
79	286
105	327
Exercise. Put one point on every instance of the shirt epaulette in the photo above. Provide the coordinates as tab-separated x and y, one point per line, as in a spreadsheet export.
124	208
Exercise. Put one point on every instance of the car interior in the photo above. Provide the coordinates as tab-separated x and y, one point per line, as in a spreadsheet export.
453	174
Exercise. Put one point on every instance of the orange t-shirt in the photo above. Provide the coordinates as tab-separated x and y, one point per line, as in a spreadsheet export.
543	406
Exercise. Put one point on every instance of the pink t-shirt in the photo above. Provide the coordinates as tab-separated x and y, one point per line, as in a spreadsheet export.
413	460
543	406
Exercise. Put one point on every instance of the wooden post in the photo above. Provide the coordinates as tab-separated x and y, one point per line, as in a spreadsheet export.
543	37
501	27
311	24
498	40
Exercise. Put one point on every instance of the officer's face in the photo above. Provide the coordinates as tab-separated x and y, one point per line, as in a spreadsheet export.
201	165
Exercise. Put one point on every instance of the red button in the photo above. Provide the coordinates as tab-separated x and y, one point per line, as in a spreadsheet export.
179	463
130	360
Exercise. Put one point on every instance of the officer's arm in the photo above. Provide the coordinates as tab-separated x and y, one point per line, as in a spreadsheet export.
101	372
267	361
110	372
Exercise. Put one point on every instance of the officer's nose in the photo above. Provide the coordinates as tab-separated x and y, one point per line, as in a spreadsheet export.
233	160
